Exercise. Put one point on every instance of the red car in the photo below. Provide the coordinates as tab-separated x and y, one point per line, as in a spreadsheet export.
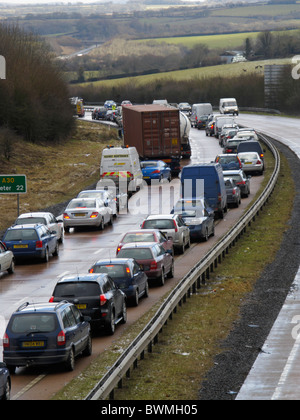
147	235
152	258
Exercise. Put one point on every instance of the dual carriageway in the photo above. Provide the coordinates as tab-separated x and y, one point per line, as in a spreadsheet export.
35	282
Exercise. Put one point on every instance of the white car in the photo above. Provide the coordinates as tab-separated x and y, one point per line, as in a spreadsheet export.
105	195
172	225
86	212
46	218
7	260
251	162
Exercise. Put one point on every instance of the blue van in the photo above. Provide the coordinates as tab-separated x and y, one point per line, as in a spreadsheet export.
205	179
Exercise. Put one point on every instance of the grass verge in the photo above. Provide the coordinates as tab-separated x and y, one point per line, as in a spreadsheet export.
189	343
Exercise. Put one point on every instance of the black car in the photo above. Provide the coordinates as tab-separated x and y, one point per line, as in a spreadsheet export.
127	275
5	382
241	180
202	121
96	296
46	333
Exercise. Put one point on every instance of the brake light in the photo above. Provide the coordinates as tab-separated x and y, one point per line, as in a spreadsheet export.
153	265
51	299
66	216
5	341
103	300
91	270
175	226
258	162
94	215
39	244
61	338
219	197
119	249
142	227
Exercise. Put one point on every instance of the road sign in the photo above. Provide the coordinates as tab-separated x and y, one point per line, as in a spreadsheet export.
13	184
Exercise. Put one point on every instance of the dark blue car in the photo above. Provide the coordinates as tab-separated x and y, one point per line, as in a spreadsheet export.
155	169
31	241
44	334
126	274
5	382
229	162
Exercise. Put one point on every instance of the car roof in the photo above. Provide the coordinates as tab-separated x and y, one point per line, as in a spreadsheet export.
35	214
139	245
90	277
29	226
142	231
160	216
119	261
40	307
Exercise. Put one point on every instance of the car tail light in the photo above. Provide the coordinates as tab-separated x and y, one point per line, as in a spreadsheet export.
103	300
219	197
143	224
91	270
119	249
175	226
66	216
153	265
94	215
39	244
5	341
61	338
51	299
258	162
233	191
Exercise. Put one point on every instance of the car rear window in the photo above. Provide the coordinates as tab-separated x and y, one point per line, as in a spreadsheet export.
30	221
159	224
77	289
139	237
137	253
227	159
82	204
21	235
37	322
115	271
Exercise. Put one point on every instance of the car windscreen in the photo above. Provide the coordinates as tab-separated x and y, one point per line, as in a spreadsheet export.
115	271
138	237
21	235
77	289
35	322
148	165
159	224
137	253
30	221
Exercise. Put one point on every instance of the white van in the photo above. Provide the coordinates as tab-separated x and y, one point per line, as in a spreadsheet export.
228	106
122	165
198	110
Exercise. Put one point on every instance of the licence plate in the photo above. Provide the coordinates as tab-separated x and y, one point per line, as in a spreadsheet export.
248	163
27	344
146	177
81	305
20	246
79	214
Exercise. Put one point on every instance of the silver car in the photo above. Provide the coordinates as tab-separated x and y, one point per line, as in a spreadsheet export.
86	212
105	195
251	162
7	260
172	225
46	218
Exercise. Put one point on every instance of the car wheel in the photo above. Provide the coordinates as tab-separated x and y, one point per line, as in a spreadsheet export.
161	280
111	219
6	395
56	251
146	291
70	363
66	229
101	226
88	349
135	300
171	272
206	235
124	313
11	269
46	256
110	328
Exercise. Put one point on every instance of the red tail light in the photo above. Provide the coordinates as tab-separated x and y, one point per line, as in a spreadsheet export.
119	249
66	216
175	226
153	265
91	270
94	215
219	197
51	299
5	341
143	224
258	162
39	244
61	338
103	300
156	171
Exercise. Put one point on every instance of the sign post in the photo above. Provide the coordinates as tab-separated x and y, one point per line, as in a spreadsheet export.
13	184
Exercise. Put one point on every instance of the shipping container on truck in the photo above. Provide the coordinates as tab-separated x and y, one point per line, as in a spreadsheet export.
155	132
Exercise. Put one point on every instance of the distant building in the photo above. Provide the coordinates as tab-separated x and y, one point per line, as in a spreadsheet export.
233	57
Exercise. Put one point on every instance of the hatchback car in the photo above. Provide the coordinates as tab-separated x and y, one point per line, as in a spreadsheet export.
105	195
147	235
127	275
88	212
241	180
31	241
155	170
172	225
46	218
198	216
251	162
7	259
231	145
5	382
233	192
46	333
96	296
153	259
229	161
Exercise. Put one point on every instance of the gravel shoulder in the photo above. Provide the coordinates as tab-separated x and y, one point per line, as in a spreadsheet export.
259	310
